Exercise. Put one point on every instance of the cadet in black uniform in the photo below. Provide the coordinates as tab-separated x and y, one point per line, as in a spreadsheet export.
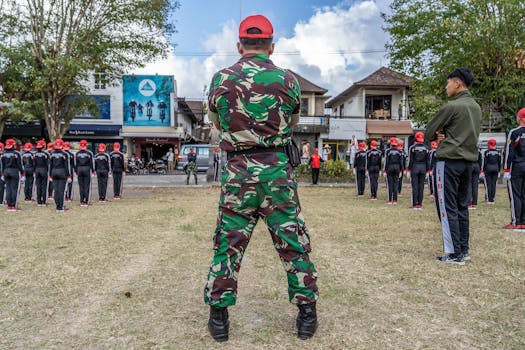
69	186
401	148
432	156
118	169
103	169
50	184
373	168
59	173
418	168
41	173
2	182
84	168
474	182
12	173
514	173
490	170
393	167
28	162
360	169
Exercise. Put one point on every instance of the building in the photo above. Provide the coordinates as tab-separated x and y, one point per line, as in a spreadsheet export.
375	107
312	121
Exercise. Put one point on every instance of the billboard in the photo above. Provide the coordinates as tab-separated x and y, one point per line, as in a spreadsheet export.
146	99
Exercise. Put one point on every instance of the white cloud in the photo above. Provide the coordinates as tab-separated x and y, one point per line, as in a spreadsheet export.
329	49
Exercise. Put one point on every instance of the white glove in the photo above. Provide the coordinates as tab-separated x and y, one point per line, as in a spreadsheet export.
69	180
482	176
408	175
366	173
50	179
110	174
499	175
22	179
506	175
92	175
354	172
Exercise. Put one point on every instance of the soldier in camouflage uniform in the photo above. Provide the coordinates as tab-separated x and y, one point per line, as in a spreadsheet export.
255	104
191	168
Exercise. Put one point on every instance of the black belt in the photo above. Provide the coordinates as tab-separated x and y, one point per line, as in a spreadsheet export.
255	150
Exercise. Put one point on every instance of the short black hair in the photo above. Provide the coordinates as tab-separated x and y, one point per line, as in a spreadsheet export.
256	43
463	74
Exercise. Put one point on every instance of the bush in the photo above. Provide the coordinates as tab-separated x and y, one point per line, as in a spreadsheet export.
330	170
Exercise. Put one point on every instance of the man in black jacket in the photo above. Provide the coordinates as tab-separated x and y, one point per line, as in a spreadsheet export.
28	162
12	173
118	169
41	173
360	169
85	169
59	173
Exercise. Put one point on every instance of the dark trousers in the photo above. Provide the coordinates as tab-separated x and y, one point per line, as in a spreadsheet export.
59	187
28	186
102	179
431	184
12	185
417	180
69	189
117	182
50	188
360	181
516	186
84	183
491	178
2	191
315	175
392	181
452	179
474	184
400	183
373	178
41	184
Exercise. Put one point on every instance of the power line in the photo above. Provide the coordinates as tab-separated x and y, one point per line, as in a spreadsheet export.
288	53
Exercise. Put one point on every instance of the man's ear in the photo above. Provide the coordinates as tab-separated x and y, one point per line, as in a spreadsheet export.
240	49
272	47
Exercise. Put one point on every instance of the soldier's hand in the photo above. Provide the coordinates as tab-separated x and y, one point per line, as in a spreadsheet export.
110	174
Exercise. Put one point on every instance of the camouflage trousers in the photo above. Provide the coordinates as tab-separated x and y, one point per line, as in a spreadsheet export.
248	194
191	169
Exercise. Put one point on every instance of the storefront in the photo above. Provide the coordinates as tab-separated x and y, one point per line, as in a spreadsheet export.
23	132
95	134
154	147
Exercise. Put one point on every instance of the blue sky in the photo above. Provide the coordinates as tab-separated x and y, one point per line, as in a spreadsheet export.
331	43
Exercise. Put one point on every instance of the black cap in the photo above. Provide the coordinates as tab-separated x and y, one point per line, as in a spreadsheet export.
463	74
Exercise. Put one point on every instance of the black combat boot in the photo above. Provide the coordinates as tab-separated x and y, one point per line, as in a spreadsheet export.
306	321
218	324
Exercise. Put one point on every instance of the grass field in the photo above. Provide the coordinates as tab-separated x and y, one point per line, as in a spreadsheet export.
129	275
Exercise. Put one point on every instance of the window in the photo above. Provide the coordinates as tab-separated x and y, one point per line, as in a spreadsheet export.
100	80
304	106
341	110
378	106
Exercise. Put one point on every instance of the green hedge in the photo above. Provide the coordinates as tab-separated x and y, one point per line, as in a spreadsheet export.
331	171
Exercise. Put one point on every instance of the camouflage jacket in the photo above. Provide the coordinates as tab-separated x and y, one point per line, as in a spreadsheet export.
254	102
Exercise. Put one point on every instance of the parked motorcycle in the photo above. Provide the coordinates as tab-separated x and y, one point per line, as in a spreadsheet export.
157	167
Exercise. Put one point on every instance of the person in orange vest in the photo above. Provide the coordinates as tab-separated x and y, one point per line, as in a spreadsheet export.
315	163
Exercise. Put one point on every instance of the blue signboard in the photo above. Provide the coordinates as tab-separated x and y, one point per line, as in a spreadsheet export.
103	111
147	99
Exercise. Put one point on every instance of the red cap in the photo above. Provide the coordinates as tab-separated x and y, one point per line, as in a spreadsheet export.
258	22
399	144
28	147
102	147
491	143
433	144
58	144
361	145
116	146
67	145
373	144
41	144
420	137
10	143
83	144
521	114
393	142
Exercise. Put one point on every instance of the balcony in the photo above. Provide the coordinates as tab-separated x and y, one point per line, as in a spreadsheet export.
313	124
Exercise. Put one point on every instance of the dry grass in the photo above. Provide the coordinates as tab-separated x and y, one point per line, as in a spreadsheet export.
130	274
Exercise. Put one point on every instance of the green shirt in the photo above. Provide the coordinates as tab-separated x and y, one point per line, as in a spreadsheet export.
460	121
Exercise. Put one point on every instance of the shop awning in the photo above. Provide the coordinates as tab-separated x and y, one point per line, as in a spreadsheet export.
93	130
388	127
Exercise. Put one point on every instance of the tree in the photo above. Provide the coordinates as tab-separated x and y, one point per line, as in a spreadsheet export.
429	38
71	39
